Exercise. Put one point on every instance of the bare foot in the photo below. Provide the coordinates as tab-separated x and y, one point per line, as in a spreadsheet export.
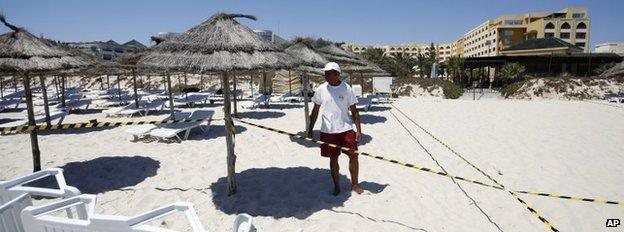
336	191
357	189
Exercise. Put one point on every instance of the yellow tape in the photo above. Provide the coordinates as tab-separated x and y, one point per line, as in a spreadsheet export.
43	127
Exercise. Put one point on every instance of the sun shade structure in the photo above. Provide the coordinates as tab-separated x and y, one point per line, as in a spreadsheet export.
311	63
617	70
350	62
218	45
24	54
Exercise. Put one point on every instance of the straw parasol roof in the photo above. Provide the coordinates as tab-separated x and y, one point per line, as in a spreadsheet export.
21	51
220	44
348	61
310	60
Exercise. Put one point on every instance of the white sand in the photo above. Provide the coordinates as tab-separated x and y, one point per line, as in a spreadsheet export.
565	147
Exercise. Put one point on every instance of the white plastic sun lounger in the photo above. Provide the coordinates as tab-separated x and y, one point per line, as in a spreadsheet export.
243	223
170	131
14	196
8	102
157	104
41	218
364	103
255	102
60	115
140	131
75	104
115	110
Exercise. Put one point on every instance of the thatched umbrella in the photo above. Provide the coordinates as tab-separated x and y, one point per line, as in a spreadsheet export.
218	45
349	62
25	54
310	64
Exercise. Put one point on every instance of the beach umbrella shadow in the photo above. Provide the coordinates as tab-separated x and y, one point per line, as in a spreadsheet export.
372	119
284	192
105	174
260	114
365	139
214	132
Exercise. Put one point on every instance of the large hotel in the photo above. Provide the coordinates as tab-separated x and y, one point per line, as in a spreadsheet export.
492	37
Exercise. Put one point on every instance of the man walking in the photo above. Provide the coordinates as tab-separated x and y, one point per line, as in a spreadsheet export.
337	99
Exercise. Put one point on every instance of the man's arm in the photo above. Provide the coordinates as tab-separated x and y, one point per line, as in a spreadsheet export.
356	119
313	117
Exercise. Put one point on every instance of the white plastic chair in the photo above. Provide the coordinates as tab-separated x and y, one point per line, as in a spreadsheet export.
243	223
14	196
39	218
255	102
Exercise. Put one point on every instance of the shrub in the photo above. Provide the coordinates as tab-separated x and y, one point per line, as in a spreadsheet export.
512	89
450	89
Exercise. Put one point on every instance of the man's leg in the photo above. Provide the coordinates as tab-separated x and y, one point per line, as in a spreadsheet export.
335	172
354	168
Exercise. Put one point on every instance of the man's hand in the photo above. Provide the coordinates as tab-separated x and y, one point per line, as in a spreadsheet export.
358	136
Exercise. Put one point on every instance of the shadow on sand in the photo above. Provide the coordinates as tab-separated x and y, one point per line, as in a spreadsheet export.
214	132
372	119
365	139
280	193
260	114
109	173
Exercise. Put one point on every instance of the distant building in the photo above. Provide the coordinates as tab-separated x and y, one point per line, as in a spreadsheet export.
164	36
617	48
443	51
270	36
545	46
489	38
109	50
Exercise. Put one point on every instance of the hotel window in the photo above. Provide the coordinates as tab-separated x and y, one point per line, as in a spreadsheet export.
508	37
578	15
513	22
564	35
549	35
582	45
581	26
580	35
550	26
565	26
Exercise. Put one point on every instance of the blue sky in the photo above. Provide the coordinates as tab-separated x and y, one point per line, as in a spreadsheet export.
363	21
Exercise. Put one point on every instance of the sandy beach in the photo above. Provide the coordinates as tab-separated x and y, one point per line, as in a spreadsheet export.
563	147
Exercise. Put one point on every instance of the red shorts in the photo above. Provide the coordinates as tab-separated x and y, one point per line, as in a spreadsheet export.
344	139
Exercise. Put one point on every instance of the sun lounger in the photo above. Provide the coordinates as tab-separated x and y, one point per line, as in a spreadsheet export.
60	115
191	100
170	131
243	223
14	196
255	102
364	103
157	104
140	131
42	218
75	104
9	102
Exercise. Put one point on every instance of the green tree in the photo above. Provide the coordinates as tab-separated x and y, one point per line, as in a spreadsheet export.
403	65
512	70
378	56
455	66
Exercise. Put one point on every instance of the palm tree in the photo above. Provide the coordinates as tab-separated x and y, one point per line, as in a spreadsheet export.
512	70
422	64
403	65
455	64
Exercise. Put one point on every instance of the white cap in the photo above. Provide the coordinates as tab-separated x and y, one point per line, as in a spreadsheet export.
332	66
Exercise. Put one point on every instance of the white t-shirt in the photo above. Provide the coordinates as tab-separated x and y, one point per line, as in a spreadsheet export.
335	102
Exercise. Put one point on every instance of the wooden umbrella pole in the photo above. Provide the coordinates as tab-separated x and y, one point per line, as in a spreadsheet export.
34	144
108	81
119	87
289	83
1	87
201	82
56	87
63	91
235	106
265	91
306	99
362	83
165	83
229	136
170	94
46	108
185	88
136	95
149	83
